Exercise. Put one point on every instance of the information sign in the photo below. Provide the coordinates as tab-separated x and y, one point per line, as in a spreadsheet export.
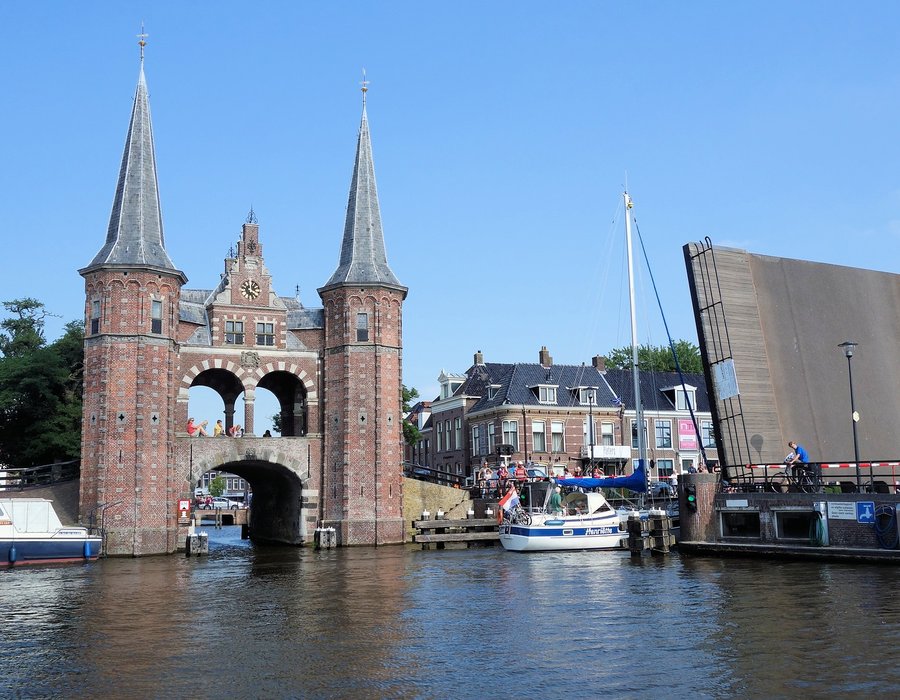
841	511
865	512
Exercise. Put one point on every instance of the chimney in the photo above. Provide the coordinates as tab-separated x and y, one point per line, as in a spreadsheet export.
544	357
599	363
479	358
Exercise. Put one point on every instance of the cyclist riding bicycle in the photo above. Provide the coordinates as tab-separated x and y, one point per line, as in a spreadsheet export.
800	462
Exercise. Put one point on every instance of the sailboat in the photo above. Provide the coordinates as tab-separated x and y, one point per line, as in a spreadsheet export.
584	519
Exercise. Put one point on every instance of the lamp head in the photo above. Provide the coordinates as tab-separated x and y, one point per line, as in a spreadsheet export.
849	346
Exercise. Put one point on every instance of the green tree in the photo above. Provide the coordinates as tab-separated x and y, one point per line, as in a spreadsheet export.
411	433
40	388
658	358
217	486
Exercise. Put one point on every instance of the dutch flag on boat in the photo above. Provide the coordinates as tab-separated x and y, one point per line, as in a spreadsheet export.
509	501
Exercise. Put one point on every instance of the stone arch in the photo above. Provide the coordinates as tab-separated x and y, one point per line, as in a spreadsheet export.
228	379
280	482
294	389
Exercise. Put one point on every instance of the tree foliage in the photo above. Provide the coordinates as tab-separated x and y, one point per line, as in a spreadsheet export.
653	358
411	434
217	486
40	388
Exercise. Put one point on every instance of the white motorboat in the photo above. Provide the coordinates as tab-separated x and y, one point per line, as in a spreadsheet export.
31	533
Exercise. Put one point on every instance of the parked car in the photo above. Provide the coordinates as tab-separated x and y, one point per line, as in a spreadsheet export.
222	503
659	489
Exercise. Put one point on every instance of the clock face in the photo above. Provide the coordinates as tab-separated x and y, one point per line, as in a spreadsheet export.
250	289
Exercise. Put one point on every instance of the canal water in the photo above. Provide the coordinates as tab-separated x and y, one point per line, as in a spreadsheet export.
398	622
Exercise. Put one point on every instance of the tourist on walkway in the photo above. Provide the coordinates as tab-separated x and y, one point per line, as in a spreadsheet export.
218	429
521	473
196	429
236	430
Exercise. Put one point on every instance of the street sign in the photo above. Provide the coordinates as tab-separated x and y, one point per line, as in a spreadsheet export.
865	512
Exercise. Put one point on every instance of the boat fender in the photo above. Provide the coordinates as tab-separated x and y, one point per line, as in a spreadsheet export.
87	549
12	554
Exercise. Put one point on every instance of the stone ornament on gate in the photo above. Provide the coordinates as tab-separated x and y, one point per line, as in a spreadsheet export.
250	360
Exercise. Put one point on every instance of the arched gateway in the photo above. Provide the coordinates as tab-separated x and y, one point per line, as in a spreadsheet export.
335	372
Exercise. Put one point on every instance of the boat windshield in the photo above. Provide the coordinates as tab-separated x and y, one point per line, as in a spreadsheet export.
534	495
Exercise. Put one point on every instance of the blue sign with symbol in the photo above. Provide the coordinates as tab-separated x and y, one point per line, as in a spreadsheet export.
865	512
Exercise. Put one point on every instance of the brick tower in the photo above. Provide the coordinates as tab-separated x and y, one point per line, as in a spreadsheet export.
363	302
132	293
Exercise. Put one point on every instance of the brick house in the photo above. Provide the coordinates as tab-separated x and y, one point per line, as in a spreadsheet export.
564	416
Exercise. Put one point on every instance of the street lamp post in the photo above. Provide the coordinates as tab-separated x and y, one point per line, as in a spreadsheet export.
849	347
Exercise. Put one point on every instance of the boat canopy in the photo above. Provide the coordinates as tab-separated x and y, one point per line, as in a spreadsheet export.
636	481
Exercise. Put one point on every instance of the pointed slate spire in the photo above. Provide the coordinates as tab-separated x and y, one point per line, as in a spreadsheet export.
363	258
135	234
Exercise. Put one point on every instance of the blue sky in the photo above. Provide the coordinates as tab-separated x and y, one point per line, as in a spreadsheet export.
502	134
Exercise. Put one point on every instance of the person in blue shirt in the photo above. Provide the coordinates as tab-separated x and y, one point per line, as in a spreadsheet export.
800	460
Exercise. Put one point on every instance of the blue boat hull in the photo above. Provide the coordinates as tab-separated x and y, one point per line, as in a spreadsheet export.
49	550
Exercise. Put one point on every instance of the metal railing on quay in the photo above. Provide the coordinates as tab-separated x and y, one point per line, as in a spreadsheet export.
833	477
19	478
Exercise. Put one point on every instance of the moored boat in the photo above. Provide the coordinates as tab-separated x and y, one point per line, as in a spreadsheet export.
31	533
584	520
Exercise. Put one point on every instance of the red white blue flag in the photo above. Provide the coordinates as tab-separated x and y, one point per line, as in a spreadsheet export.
510	500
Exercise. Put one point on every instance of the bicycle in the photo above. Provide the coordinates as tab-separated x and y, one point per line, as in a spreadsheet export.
785	482
518	516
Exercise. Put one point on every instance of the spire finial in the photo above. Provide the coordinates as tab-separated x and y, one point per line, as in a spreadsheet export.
142	40
251	217
365	86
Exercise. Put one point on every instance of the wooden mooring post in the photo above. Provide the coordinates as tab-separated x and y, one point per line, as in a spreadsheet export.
653	534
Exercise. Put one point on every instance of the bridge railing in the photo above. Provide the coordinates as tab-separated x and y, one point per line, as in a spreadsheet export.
434	476
18	478
841	477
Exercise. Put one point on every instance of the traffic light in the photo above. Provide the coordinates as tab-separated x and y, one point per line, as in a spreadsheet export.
690	496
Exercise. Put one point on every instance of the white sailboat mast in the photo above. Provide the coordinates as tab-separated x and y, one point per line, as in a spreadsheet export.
638	411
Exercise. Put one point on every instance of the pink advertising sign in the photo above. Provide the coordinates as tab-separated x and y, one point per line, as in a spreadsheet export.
687	436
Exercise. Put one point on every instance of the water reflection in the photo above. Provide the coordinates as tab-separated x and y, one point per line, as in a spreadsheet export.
400	622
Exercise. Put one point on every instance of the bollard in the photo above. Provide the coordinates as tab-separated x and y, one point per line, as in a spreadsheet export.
471	514
426	515
439	515
325	538
488	512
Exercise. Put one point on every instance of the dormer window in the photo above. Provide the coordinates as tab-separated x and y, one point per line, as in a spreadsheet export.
492	391
450	383
682	397
587	396
546	394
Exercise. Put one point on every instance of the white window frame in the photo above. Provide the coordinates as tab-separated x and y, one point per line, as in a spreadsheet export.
634	436
458	432
546	394
607	433
681	397
492	438
707	433
660	426
538	433
511	429
557	437
587	396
